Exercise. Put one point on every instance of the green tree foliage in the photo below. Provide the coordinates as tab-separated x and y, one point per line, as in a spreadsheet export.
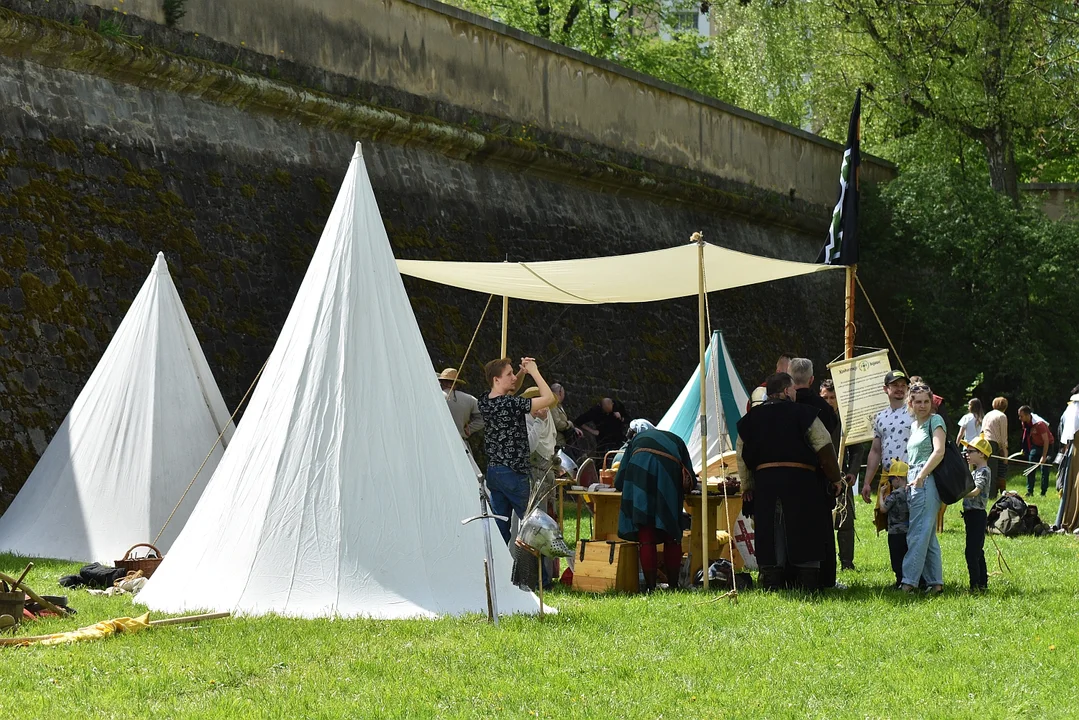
971	286
1002	73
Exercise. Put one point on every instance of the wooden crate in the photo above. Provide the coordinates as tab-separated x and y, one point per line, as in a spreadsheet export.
603	566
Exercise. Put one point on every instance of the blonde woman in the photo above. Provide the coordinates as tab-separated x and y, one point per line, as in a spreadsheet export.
925	450
970	425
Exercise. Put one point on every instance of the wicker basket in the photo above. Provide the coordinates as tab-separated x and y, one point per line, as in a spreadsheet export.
146	563
606	475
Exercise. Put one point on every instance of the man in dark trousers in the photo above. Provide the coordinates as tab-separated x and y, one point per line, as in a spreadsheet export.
782	445
801	372
851	466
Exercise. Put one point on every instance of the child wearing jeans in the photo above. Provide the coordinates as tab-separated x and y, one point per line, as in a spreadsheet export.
978	453
895	505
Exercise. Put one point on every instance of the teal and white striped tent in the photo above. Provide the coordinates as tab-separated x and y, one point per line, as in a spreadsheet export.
724	391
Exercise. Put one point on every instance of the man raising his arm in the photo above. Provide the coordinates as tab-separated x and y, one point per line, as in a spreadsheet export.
506	436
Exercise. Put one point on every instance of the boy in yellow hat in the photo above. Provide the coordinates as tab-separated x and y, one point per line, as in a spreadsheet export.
898	511
974	517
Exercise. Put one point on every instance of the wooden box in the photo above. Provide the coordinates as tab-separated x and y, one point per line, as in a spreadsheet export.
603	566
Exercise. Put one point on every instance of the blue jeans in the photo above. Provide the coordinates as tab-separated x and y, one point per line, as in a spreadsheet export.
923	551
1035	455
509	492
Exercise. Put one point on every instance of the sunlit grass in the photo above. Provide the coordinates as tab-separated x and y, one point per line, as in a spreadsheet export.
864	652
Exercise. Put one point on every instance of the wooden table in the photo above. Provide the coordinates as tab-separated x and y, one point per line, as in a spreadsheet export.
608	504
605	514
691	541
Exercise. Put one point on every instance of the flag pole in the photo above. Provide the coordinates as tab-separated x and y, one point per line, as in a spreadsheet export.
849	327
848	352
699	239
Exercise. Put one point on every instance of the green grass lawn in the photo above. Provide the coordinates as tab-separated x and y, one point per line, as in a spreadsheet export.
868	652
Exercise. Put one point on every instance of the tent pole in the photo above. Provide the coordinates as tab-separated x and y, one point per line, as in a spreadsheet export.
848	328
848	353
699	237
505	324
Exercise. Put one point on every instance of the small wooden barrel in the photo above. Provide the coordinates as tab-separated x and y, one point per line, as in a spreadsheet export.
146	563
11	603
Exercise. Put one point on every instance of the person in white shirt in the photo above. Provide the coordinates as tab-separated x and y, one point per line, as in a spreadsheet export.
970	425
1069	426
891	430
995	429
542	439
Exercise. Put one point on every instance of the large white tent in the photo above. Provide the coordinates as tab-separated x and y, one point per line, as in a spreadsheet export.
725	403
131	443
343	489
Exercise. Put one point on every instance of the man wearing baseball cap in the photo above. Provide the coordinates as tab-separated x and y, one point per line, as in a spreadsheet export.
891	430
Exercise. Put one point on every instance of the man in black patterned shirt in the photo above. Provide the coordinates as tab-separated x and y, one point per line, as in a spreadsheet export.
506	436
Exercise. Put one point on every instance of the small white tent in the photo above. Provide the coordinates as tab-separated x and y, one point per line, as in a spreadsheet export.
725	402
343	490
131	443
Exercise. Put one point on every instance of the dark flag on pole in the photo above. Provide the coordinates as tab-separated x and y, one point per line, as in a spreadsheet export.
842	245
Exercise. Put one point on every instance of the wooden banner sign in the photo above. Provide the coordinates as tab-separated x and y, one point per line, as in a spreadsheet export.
859	390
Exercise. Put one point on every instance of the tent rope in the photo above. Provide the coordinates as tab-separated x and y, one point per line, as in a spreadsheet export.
461	367
1001	562
550	284
207	458
733	593
882	328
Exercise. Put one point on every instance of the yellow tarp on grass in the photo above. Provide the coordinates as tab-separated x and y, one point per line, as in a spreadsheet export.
103	629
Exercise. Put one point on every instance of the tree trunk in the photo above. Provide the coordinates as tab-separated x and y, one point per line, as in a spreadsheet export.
571	17
1000	154
543	11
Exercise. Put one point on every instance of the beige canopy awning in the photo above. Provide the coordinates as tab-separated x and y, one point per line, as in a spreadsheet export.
639	277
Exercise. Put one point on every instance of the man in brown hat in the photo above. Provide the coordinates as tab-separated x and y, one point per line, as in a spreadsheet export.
463	407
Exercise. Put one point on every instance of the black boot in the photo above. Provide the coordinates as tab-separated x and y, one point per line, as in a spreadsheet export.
770	579
809	579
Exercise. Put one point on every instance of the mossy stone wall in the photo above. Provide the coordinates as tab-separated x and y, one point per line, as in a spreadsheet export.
98	174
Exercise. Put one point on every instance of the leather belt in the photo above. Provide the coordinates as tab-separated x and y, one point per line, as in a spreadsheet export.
800	466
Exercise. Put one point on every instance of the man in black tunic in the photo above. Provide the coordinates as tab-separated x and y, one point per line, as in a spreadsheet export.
781	446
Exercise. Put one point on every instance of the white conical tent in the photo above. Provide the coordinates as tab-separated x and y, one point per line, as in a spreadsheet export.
131	443
343	490
725	392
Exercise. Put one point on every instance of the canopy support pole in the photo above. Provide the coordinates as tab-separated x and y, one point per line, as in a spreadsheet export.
699	239
505	324
849	329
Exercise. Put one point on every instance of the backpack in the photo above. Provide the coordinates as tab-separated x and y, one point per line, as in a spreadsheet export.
1006	515
952	475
